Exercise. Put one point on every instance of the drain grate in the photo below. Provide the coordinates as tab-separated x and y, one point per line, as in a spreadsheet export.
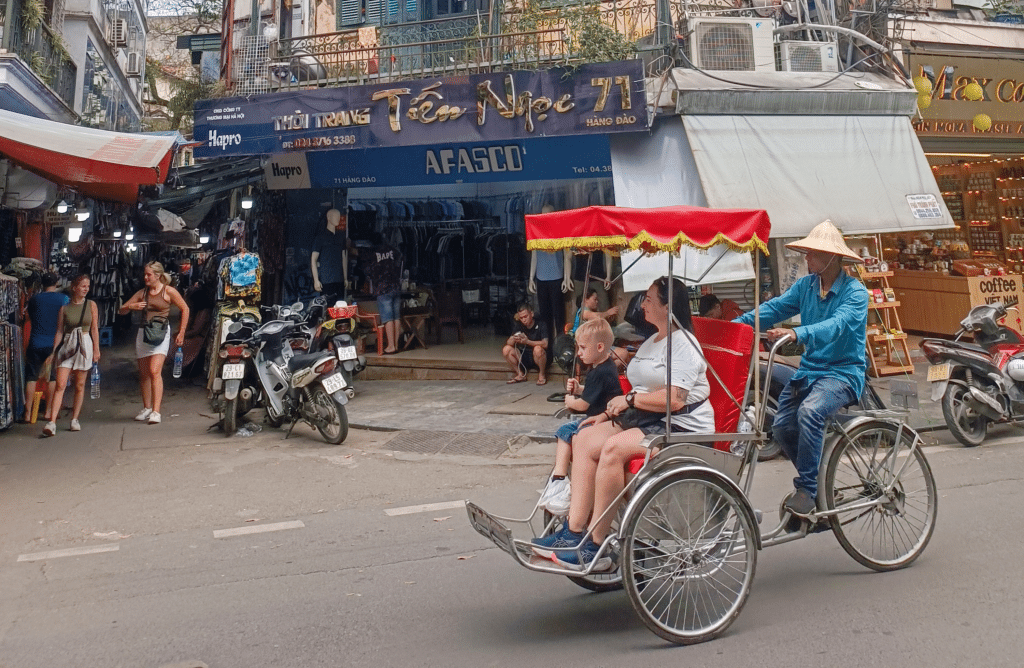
424	442
480	445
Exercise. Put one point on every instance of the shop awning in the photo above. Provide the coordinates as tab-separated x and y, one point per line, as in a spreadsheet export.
95	163
867	174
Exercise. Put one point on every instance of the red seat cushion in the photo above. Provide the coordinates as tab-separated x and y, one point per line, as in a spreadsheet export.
727	347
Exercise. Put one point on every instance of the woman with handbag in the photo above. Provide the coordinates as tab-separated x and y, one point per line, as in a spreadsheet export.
153	341
605	443
77	346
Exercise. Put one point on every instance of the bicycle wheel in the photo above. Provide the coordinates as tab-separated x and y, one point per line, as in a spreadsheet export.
891	535
689	557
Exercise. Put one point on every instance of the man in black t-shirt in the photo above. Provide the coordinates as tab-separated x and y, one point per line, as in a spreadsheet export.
527	348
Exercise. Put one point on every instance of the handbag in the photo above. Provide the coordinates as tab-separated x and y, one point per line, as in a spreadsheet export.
155	330
639	418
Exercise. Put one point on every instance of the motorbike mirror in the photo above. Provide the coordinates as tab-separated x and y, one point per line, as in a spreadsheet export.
234	327
297	307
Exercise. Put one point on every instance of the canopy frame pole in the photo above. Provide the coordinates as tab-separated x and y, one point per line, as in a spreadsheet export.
668	356
583	299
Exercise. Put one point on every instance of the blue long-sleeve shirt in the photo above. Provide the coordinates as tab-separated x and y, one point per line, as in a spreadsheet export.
832	329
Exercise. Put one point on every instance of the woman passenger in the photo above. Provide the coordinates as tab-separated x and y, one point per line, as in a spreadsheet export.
601	452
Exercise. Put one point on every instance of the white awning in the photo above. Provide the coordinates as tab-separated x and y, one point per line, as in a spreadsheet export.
655	170
867	174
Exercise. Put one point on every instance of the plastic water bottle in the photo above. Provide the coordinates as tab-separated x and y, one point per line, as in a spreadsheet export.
179	358
94	377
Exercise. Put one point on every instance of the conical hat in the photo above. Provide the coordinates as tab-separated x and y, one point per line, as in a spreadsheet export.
827	238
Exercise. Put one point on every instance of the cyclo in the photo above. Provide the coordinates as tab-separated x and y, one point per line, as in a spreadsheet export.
686	533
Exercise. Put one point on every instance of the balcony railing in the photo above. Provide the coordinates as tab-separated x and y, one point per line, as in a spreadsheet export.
44	54
443	47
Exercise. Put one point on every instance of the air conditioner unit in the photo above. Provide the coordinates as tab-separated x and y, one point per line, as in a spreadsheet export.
134	65
808	57
732	44
118	33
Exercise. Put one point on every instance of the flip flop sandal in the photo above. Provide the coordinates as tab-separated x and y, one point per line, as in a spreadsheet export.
513	381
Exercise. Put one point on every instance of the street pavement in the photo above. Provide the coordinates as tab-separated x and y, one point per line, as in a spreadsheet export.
171	545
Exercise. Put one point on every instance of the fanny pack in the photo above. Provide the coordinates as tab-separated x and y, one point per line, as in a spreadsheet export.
155	330
638	418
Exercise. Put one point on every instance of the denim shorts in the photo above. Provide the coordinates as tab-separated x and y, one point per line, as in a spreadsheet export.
388	306
569	429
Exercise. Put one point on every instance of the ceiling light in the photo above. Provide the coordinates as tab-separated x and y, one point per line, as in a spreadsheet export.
117	234
205	239
62	207
82	215
74	234
247	202
129	237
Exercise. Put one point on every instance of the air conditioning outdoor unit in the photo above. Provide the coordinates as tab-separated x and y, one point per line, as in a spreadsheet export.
118	33
808	57
134	65
732	44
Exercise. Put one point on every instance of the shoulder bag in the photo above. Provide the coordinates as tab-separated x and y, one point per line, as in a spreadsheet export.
71	344
155	330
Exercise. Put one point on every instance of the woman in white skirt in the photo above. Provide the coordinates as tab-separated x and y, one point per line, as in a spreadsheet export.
155	300
75	351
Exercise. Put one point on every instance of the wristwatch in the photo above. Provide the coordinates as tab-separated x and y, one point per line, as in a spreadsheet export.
630	397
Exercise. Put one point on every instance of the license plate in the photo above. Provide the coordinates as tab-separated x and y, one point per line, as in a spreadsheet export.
333	383
938	372
347	353
233	372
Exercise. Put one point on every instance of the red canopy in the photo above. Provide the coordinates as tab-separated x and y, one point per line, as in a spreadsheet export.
663	229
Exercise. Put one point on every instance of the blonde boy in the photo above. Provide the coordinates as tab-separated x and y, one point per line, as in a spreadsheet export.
593	347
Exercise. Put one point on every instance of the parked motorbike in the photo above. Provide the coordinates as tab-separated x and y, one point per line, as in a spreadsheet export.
336	335
978	382
297	386
238	381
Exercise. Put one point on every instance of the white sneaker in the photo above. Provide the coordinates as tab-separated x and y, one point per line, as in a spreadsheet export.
76	425
154	417
555	497
50	429
144	415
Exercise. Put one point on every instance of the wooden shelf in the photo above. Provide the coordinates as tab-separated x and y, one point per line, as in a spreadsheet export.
868	275
881	338
890	370
883	305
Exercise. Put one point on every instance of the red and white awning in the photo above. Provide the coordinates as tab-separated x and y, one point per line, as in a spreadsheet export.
95	163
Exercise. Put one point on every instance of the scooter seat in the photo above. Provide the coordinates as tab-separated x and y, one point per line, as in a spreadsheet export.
305	359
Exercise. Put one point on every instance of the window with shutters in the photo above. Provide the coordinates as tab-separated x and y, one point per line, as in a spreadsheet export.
358	12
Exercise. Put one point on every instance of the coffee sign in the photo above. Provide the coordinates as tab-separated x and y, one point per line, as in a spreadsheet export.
1007	289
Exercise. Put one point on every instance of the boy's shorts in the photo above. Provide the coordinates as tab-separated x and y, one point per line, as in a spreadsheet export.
569	429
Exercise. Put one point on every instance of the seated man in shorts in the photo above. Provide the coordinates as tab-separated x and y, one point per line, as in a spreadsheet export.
527	348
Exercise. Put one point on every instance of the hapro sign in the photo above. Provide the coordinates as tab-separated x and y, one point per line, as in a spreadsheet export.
593	99
549	159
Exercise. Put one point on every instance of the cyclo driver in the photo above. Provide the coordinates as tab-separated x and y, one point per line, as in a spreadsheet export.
833	309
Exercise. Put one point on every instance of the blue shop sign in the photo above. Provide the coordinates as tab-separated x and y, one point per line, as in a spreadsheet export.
593	99
548	159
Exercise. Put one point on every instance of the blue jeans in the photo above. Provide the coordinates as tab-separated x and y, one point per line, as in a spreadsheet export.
389	307
569	429
799	427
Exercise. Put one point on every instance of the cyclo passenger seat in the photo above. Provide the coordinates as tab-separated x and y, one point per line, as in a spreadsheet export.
728	347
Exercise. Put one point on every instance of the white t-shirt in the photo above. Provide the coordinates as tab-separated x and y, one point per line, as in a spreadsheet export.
646	373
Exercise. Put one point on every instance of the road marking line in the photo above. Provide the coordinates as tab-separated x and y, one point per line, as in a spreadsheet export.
425	508
258	528
69	552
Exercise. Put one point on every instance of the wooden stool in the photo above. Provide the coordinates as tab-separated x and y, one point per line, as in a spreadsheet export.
413	323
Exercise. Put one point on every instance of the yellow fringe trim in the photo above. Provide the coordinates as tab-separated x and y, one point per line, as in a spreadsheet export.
643	239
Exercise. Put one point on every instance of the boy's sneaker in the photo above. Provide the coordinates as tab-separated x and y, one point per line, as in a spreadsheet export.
154	418
563	538
555	497
581	561
144	415
50	429
76	425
